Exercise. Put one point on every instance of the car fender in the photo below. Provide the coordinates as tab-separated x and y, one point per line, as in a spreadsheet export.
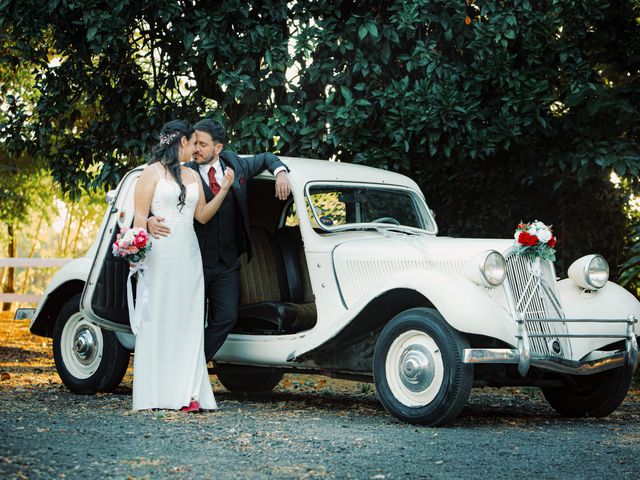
67	281
465	306
610	302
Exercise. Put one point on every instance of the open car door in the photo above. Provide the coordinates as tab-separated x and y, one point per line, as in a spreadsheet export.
104	299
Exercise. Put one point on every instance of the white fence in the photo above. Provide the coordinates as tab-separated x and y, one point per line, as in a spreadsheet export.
28	263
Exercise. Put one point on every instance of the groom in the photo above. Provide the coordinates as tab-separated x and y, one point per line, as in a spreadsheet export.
226	236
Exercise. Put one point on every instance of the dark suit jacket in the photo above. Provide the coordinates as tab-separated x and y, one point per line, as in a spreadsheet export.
245	169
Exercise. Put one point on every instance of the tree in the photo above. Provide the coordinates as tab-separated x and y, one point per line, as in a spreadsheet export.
20	174
502	111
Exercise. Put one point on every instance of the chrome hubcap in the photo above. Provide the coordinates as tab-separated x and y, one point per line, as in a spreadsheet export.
416	368
81	346
85	346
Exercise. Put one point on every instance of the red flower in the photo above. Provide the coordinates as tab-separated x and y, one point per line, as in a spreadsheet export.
552	242
140	241
527	239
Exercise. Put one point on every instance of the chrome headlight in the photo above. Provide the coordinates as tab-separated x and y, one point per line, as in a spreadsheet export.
590	272
487	269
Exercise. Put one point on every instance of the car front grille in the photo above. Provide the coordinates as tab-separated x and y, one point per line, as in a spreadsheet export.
531	298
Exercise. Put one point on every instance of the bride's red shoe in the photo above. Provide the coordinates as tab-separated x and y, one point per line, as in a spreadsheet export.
193	407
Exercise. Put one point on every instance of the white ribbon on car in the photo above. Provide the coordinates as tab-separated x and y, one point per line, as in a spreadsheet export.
535	268
137	311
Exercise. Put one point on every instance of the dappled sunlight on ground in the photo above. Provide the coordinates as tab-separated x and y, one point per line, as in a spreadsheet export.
26	364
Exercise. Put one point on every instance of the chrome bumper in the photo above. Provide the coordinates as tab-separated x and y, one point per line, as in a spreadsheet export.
524	358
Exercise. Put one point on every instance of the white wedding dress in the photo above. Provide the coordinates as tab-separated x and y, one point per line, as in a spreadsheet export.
169	367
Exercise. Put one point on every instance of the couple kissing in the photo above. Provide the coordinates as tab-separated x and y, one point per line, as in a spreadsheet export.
192	198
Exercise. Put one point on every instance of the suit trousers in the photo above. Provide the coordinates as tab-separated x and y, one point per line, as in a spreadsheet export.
222	290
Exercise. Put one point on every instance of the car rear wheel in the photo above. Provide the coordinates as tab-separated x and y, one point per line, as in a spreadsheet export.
418	370
88	359
590	395
248	379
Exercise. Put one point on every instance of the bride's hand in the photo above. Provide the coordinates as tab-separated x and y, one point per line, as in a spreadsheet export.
227	181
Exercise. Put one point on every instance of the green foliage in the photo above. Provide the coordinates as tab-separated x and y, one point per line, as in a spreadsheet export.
520	113
631	268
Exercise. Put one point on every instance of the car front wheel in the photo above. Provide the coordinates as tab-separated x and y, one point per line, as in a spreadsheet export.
418	370
247	379
88	359
594	395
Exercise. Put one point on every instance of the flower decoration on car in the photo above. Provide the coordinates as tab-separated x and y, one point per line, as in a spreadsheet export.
536	240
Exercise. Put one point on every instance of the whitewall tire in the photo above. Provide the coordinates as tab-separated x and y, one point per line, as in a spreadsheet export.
88	358
418	370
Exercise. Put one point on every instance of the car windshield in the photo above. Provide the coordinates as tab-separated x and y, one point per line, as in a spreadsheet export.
339	206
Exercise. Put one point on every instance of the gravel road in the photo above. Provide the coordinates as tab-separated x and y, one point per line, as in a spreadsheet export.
309	427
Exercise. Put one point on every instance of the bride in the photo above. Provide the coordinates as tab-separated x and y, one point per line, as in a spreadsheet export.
169	369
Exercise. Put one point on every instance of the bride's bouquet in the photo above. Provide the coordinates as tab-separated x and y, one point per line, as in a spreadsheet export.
133	244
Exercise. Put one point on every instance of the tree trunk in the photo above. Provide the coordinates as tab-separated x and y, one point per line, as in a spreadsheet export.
31	252
67	235
75	240
11	253
62	234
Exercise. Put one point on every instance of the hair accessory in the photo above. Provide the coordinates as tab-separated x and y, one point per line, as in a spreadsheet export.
167	139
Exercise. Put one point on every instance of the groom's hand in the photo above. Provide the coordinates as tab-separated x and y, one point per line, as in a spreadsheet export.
156	228
283	186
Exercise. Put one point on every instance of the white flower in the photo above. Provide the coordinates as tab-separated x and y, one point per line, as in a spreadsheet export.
517	235
538	225
544	234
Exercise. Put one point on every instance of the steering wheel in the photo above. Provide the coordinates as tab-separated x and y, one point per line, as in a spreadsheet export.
386	220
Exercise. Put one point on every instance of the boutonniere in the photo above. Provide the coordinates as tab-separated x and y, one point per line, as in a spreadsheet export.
241	180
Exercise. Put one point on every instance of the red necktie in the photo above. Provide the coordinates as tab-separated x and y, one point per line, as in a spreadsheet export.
213	183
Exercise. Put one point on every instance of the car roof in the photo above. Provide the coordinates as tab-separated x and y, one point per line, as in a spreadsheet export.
314	170
309	170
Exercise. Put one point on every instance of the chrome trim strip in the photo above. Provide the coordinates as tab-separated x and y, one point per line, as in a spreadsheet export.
632	342
551	296
575	335
524	348
582	320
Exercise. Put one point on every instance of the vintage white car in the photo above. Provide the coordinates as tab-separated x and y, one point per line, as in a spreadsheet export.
349	279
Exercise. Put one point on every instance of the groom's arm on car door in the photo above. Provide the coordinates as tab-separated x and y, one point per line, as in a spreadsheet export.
268	161
264	161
